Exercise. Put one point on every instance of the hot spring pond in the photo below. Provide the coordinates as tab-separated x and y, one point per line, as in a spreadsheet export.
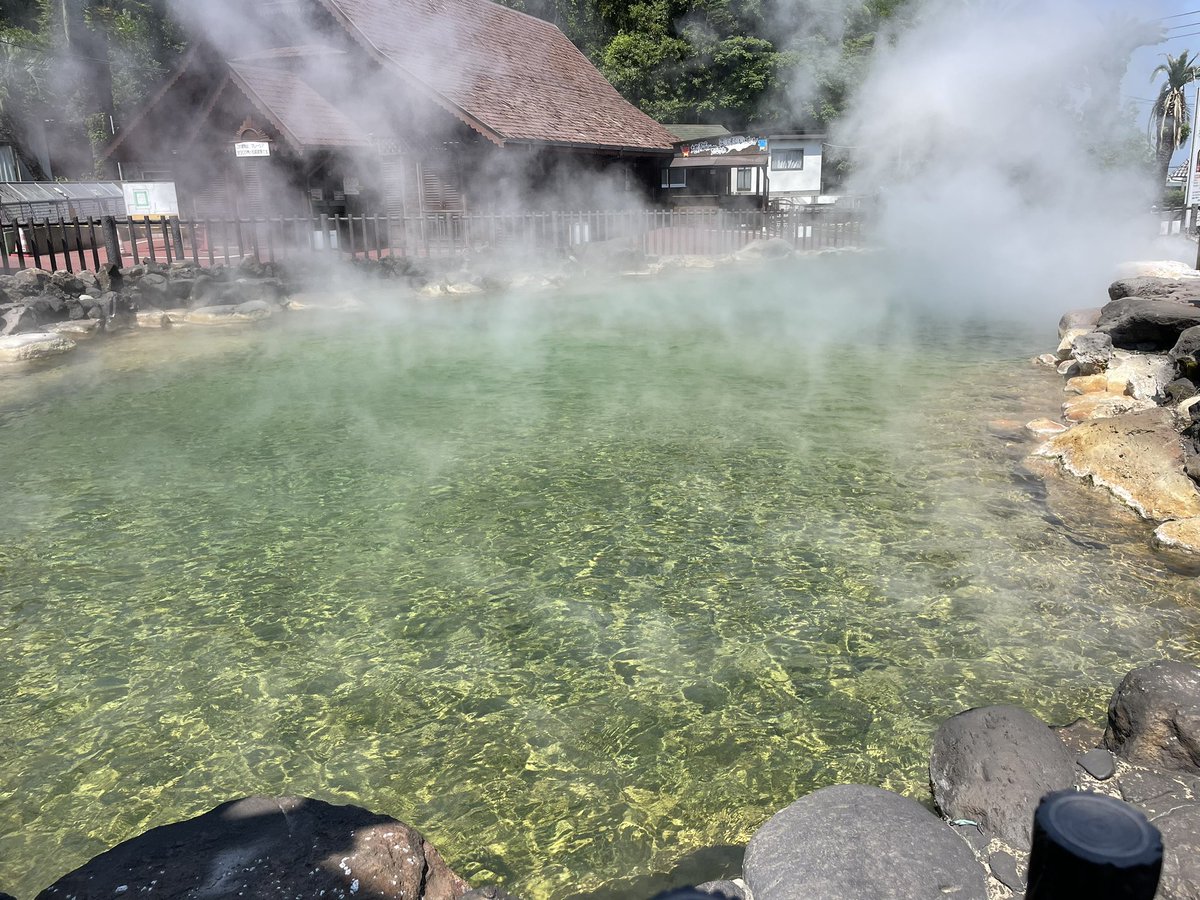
579	584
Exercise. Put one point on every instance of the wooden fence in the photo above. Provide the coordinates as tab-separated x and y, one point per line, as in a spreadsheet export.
81	244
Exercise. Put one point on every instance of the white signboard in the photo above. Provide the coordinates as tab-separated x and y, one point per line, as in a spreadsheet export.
252	148
150	198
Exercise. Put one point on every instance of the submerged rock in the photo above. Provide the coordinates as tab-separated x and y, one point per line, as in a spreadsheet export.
770	248
850	842
1138	456
992	765
1104	405
1178	534
252	311
1044	427
33	345
269	847
1154	717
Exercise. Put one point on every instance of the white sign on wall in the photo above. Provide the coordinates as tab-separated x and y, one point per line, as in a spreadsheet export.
252	148
150	198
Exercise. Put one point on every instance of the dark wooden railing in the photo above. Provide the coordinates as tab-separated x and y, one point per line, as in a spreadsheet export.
81	244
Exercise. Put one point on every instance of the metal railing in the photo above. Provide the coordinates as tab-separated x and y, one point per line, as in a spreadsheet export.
80	244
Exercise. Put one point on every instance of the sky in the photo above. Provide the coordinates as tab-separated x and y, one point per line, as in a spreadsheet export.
1181	19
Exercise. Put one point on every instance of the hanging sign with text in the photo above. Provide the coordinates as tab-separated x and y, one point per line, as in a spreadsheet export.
252	148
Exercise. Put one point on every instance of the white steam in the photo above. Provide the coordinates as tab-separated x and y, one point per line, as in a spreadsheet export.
988	132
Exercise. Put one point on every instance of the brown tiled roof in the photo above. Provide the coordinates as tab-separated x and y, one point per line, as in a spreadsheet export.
300	112
514	75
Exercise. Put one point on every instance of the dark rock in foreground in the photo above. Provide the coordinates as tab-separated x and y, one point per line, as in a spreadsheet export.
852	842
1154	717
1181	853
265	847
992	765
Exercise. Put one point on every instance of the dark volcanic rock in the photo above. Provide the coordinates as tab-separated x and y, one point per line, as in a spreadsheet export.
1181	853
1135	323
1004	869
851	842
1154	288
19	319
1098	763
269	847
1186	352
109	277
1179	390
1154	717
992	765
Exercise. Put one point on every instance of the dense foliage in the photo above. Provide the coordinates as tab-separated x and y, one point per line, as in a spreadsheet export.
65	84
733	62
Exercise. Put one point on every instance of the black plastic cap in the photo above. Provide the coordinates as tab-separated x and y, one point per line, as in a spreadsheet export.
1092	847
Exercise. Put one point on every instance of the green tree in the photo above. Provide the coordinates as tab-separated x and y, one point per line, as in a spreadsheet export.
1169	118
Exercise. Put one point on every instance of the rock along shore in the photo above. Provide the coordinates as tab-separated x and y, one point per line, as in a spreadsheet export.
44	315
1131	418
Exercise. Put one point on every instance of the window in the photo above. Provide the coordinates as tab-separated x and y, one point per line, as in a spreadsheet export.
745	179
8	164
674	178
785	160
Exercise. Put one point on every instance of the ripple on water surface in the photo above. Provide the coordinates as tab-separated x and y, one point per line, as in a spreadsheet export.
577	585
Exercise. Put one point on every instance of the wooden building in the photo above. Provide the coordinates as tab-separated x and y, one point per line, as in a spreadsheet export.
389	106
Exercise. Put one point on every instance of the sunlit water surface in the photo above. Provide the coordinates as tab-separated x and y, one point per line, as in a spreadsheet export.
578	584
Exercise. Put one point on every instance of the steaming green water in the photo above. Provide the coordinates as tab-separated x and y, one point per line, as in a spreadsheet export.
577	585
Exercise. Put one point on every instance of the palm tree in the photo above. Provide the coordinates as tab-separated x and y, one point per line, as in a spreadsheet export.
1169	118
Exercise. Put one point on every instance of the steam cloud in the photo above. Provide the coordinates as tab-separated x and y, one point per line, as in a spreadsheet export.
987	132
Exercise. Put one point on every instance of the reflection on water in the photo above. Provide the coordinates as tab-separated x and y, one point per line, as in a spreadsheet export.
579	585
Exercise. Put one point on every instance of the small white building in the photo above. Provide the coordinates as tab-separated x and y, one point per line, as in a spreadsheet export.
792	172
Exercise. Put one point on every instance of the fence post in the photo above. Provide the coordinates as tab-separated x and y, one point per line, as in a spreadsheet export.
112	241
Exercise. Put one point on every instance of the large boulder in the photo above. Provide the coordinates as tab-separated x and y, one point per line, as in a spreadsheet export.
851	842
1151	287
269	847
254	311
992	765
1139	457
1135	323
16	348
1154	717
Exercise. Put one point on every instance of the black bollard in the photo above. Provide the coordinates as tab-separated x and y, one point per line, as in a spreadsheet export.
1091	847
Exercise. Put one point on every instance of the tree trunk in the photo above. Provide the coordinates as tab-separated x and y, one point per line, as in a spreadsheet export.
1164	150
